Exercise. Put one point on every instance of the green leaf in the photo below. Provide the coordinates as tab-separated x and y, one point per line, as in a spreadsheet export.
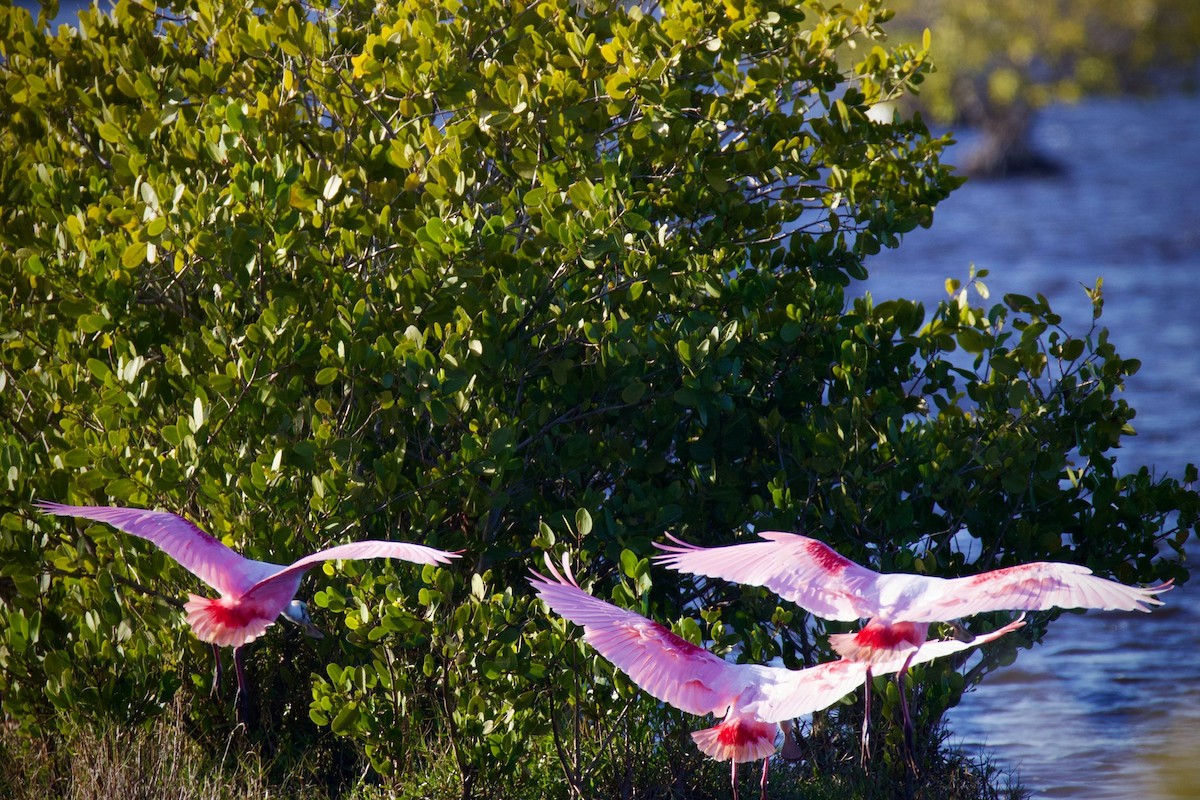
99	369
633	392
545	538
134	255
1071	349
629	563
93	323
234	117
583	522
617	85
346	719
77	458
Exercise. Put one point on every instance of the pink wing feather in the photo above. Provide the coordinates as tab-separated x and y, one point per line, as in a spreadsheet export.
370	548
1037	586
810	573
196	551
226	570
666	666
790	693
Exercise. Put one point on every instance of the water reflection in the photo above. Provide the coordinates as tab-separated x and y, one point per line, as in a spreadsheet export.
1109	706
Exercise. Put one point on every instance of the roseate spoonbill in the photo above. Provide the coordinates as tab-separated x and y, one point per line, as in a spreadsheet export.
898	606
753	700
253	593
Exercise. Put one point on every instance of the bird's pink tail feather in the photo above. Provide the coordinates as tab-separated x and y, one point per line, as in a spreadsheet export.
738	738
224	622
879	642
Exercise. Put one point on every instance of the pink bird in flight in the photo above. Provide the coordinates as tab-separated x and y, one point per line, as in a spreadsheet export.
253	594
754	701
898	607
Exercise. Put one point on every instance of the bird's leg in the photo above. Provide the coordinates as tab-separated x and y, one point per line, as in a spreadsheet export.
866	726
242	700
733	777
218	674
905	713
763	785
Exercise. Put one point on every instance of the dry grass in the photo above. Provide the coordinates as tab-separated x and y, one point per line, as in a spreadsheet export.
158	762
162	761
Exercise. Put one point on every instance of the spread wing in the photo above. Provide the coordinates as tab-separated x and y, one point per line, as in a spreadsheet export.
1036	586
791	693
811	574
196	551
804	691
666	666
940	648
289	576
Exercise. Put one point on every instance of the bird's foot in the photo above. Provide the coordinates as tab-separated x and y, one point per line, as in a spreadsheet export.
218	674
960	632
791	750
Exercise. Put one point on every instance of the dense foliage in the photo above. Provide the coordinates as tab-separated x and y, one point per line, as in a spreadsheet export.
511	278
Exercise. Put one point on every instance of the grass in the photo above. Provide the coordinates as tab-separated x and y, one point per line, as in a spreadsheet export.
158	762
163	761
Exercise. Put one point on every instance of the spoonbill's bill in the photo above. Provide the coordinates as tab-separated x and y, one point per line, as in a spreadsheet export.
753	700
252	593
899	607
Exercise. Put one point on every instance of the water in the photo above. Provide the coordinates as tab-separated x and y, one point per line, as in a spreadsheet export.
1108	708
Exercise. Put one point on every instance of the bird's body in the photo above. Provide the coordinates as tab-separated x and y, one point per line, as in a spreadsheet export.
752	700
253	594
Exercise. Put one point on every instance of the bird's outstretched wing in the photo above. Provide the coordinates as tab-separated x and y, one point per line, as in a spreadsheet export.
810	573
370	548
196	551
798	692
790	693
666	666
1036	586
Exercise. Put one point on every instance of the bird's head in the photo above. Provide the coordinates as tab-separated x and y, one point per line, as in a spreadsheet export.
297	612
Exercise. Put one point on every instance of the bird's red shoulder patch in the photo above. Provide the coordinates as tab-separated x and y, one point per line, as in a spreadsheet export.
826	557
676	645
1005	573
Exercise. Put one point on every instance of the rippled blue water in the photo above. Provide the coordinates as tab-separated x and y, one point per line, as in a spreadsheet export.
1109	707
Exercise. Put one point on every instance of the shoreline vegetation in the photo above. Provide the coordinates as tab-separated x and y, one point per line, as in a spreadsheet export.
163	759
